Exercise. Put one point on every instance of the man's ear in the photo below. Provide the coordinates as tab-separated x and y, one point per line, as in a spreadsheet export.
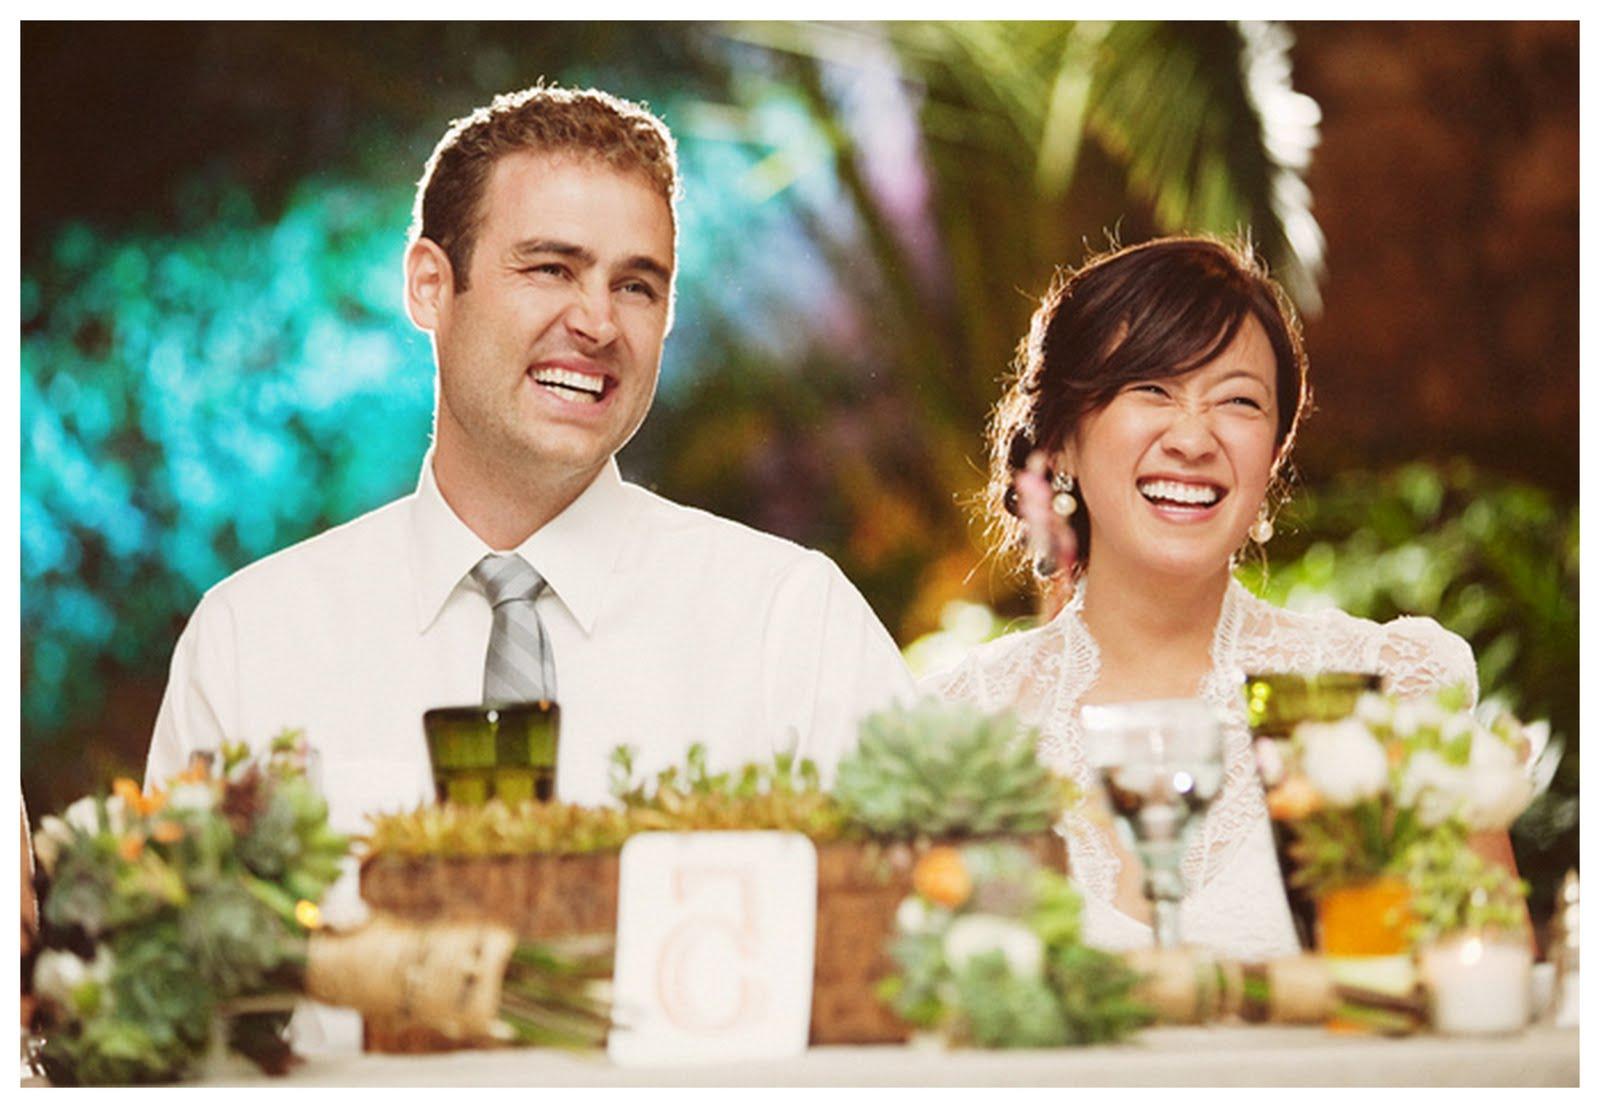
430	282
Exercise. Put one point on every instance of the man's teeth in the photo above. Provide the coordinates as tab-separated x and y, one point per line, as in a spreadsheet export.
571	384
1179	492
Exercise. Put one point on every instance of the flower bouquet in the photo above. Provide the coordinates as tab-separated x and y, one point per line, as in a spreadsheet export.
161	907
1362	791
987	952
1398	780
183	922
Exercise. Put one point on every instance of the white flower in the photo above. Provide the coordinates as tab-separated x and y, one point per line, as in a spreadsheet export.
1538	736
84	814
59	973
978	933
1374	709
1434	787
1487	793
1490	751
192	795
912	916
1424	714
1458	725
53	834
1342	760
1495	796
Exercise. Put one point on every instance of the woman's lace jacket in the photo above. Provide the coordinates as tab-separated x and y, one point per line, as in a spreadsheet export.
1237	905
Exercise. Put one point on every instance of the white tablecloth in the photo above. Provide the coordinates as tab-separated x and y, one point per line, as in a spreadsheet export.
1250	1056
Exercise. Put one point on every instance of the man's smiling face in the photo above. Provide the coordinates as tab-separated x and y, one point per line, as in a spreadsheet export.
548	359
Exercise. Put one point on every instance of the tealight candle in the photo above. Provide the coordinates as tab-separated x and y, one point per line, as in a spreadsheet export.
1478	984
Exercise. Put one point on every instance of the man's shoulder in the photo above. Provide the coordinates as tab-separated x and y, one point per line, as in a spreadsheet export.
697	533
350	553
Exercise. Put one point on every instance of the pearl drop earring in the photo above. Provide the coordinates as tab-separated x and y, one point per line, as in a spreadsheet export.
1063	503
1261	529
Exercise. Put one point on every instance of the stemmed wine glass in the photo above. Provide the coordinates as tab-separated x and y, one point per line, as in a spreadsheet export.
1161	763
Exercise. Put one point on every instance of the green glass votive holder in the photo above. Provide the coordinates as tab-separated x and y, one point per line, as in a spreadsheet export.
503	752
1276	702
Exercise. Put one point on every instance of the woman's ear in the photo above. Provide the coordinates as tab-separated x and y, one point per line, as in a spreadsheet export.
1064	462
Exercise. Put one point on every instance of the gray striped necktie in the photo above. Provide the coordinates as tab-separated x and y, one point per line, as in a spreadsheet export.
520	665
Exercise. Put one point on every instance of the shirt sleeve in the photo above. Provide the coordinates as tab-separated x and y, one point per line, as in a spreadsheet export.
830	663
202	686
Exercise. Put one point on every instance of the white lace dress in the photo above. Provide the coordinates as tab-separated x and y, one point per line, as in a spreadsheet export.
1236	905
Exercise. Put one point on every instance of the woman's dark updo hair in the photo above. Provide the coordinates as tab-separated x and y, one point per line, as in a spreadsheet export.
1147	312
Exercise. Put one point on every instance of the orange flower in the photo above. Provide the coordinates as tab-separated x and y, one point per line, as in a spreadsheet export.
167	831
138	802
1294	799
198	770
130	846
942	877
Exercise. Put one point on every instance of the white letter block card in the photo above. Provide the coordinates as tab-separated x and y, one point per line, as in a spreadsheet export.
715	936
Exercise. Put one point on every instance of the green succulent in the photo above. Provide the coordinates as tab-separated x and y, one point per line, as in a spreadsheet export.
1454	889
940	769
782	796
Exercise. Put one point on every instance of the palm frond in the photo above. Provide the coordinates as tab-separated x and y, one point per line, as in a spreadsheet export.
1214	136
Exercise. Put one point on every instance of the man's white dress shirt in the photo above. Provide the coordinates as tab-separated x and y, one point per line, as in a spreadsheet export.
669	626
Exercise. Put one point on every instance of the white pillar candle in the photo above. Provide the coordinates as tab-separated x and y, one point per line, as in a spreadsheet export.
1478	984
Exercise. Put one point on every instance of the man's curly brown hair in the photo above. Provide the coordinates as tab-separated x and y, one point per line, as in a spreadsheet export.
586	123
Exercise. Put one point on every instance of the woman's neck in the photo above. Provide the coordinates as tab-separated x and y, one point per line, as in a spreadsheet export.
1154	634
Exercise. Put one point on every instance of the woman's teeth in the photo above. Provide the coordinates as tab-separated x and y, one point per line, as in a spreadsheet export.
1177	492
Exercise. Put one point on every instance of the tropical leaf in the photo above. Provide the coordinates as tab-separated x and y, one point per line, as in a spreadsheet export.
1213	133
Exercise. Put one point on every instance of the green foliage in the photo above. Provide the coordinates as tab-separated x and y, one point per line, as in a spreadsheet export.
1007	966
151	1021
1000	1009
1494	561
1454	889
782	796
941	769
557	993
177	918
1347	846
931	770
165	374
1095	989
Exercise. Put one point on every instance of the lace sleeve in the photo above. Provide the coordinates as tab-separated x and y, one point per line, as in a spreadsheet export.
952	682
1417	656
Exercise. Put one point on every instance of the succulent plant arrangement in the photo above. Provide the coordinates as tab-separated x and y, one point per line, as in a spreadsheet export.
988	953
932	770
939	770
785	795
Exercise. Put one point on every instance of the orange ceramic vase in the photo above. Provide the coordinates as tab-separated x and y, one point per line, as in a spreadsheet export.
1362	932
1369	920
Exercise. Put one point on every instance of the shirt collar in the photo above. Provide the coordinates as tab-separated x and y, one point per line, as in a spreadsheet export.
575	552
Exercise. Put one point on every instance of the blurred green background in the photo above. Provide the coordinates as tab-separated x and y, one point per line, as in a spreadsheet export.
215	362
